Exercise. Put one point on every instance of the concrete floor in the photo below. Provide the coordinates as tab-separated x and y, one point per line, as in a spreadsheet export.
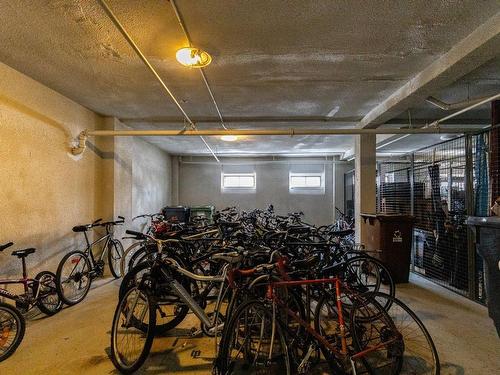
76	341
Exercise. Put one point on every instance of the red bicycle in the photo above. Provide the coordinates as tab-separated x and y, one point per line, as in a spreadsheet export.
40	291
353	332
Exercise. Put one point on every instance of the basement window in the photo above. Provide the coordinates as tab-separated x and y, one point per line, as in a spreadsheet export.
307	183
238	181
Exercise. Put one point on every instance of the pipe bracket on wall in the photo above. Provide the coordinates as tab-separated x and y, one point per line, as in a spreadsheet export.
82	144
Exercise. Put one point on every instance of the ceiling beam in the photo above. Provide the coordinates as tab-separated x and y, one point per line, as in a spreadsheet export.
465	56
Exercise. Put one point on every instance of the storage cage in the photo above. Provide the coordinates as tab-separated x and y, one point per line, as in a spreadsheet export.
441	186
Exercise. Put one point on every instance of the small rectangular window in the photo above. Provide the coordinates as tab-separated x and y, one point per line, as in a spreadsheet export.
238	181
306	182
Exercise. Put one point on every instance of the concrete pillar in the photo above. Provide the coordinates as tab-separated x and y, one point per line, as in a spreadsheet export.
365	179
495	151
174	180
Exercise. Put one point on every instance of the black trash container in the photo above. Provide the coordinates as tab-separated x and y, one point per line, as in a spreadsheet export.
389	238
487	238
176	213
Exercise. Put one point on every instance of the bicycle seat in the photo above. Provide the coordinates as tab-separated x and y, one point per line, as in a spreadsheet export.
229	224
7	245
80	228
298	229
23	253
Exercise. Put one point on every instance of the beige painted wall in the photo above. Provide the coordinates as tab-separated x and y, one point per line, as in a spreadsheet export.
45	191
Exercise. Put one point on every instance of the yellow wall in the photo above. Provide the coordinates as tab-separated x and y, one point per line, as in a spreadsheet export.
44	190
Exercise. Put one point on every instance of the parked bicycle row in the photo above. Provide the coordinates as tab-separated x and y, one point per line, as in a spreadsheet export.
48	291
276	294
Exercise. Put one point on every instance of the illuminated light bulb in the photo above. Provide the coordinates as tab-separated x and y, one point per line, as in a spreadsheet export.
229	138
193	57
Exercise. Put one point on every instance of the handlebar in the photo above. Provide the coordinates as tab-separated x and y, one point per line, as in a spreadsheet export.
147	215
137	235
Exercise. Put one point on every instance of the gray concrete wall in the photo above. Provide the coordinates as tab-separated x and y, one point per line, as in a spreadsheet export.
200	184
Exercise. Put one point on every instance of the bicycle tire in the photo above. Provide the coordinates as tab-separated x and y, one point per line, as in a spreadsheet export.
18	319
45	307
115	254
353	267
116	356
378	345
229	340
414	344
86	273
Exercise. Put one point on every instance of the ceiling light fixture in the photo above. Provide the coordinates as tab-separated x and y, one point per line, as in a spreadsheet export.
193	57
229	138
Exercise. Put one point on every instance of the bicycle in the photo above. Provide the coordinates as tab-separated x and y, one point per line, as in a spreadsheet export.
258	337
163	292
78	268
40	291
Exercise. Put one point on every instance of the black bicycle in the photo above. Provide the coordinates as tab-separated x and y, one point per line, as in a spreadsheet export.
78	268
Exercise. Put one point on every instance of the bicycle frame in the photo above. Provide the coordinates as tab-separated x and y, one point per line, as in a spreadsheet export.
343	353
25	281
88	250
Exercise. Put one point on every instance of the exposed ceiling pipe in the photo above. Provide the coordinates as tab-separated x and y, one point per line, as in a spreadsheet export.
256	119
288	132
382	145
452	106
146	62
466	109
202	72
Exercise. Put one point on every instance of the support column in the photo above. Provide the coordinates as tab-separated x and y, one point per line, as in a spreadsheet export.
495	151
365	180
174	183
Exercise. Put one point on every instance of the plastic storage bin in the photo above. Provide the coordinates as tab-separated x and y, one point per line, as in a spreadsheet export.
205	212
176	213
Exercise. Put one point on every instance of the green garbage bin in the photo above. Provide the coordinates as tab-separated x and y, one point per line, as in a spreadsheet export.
205	212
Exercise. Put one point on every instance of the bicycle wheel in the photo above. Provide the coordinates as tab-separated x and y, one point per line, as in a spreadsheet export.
115	254
378	344
12	328
132	332
128	253
253	343
73	277
170	310
366	274
420	354
48	300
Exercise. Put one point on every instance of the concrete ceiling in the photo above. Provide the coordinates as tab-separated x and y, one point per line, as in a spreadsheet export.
269	60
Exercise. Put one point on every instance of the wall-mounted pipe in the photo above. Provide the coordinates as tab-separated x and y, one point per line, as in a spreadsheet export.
82	140
288	132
